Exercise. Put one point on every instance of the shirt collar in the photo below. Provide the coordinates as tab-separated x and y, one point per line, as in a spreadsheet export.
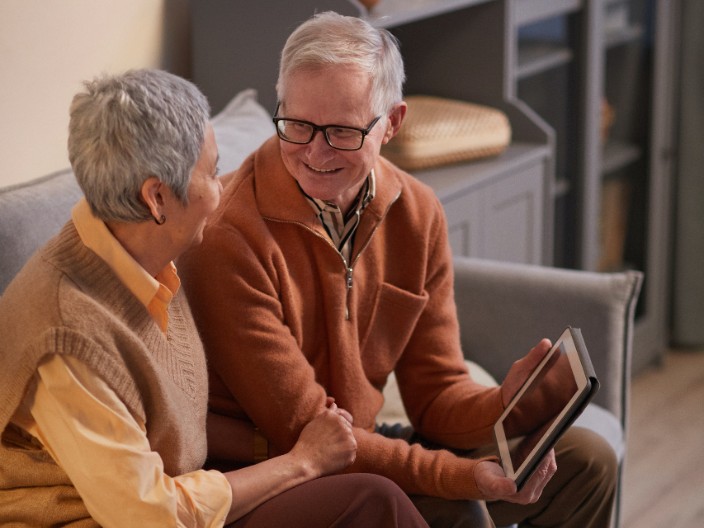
364	198
155	293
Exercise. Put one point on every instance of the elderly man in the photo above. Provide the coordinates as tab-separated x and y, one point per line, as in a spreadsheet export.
326	268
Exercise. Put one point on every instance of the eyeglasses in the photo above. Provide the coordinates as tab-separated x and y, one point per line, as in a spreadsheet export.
337	136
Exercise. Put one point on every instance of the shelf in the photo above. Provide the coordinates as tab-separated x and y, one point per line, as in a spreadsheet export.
452	179
617	155
529	11
617	37
536	57
393	13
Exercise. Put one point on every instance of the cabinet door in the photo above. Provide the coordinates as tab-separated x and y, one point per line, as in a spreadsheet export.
513	217
465	224
501	219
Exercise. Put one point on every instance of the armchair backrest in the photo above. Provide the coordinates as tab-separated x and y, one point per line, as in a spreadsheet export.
505	309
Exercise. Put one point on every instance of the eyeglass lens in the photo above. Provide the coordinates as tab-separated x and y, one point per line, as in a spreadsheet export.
337	137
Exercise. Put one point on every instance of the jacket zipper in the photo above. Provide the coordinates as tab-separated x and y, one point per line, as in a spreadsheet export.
349	288
349	268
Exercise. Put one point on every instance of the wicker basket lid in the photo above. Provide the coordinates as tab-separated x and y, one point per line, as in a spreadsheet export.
438	131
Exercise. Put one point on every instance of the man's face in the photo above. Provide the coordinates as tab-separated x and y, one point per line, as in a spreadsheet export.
338	95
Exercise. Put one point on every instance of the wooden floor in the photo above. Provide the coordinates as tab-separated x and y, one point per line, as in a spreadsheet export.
664	471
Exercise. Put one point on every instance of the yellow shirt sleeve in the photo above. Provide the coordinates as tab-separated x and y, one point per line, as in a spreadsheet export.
104	450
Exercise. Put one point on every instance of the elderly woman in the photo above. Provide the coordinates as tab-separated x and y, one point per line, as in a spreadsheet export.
335	265
103	386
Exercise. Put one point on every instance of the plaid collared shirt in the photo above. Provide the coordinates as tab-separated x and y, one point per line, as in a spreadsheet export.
340	227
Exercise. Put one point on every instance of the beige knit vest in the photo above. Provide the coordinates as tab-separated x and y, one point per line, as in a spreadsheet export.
68	301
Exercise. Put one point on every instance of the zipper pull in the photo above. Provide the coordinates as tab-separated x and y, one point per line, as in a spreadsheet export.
349	278
348	281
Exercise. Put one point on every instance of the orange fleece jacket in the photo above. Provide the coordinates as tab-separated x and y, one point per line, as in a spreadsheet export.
282	329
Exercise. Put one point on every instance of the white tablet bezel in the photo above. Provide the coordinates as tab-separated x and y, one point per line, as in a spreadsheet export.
546	442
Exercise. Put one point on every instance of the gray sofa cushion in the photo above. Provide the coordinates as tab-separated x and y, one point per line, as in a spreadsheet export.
30	213
240	128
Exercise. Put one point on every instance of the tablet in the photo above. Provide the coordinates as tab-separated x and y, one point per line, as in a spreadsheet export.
552	397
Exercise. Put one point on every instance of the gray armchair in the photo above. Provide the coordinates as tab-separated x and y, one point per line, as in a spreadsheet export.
504	309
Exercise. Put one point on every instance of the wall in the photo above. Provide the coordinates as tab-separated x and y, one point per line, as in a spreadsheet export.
48	47
688	283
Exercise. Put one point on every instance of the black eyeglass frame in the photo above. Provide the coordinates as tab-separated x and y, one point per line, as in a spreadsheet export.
324	130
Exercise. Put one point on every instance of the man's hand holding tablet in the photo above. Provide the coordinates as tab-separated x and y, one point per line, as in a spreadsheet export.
543	394
547	403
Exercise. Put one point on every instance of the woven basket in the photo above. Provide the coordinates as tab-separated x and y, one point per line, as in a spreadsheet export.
439	131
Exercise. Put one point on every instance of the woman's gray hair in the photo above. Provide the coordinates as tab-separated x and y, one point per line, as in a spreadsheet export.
126	128
330	39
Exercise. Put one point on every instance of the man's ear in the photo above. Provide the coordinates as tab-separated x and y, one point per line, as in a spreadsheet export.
395	118
152	196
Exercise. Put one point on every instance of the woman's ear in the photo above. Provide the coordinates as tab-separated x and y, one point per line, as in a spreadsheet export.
395	118
152	196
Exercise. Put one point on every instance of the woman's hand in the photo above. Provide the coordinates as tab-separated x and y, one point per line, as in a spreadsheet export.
327	443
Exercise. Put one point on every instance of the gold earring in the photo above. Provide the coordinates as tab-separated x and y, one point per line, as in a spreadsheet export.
160	220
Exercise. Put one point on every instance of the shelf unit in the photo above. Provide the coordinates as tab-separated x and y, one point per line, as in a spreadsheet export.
636	61
603	83
549	65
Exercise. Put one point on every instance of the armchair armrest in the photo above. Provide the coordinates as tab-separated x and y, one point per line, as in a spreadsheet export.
504	309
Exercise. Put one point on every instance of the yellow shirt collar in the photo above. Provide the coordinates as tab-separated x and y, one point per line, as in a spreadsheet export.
155	293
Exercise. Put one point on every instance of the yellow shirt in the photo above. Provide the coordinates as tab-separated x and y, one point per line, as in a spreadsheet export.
112	446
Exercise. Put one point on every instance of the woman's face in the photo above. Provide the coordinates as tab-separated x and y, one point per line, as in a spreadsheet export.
336	95
204	193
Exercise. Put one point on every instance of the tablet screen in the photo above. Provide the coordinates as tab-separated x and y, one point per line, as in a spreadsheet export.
529	425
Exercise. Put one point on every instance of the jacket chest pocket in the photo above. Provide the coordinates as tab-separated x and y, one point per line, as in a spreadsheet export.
392	322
